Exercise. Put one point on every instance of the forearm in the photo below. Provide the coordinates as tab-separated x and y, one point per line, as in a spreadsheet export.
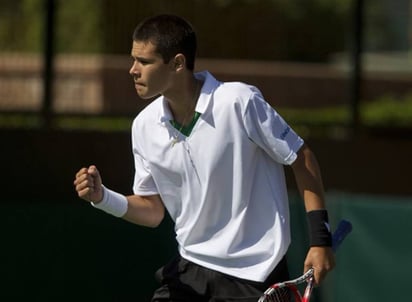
144	210
309	183
309	180
141	210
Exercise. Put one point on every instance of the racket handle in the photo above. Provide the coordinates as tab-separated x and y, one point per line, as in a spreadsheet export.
343	229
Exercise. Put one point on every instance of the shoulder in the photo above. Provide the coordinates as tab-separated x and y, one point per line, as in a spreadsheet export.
239	89
148	115
237	93
232	90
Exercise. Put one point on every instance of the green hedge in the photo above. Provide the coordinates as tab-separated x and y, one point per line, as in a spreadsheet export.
259	29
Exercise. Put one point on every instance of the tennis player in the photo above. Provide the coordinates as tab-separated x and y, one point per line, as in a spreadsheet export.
212	154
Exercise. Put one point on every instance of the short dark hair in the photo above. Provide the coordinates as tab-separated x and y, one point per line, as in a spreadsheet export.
171	35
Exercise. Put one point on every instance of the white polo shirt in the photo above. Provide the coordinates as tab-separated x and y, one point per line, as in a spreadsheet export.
224	185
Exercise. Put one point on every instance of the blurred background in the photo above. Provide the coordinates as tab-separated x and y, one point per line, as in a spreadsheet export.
339	71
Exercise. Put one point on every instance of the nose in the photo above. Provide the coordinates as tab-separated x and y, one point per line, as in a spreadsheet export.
134	71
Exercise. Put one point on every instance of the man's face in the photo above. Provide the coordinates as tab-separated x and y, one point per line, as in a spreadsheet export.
150	74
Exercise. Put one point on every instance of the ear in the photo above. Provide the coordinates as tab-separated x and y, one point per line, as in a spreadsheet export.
179	62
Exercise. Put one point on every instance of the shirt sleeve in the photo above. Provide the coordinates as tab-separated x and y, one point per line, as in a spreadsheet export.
268	130
144	183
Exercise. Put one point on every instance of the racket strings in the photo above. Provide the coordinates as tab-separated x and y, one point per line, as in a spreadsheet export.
278	295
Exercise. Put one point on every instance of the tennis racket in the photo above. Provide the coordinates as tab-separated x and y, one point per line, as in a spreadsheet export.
280	292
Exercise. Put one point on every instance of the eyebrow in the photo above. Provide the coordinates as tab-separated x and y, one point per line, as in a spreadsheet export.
139	58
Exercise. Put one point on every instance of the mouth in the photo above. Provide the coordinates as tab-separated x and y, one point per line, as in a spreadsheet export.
137	84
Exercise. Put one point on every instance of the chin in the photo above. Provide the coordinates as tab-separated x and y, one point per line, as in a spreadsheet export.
145	96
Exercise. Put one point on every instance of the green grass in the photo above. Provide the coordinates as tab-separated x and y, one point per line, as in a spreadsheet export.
383	112
16	120
388	111
94	123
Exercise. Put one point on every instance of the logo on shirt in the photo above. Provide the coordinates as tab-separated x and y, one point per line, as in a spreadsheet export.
285	132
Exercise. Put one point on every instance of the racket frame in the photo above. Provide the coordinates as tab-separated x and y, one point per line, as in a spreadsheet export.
343	229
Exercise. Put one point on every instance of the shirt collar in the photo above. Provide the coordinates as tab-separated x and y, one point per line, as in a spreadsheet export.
209	85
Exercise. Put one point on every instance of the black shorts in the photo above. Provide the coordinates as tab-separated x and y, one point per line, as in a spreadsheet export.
185	281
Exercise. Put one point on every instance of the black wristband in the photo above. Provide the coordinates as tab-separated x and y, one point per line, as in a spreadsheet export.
319	230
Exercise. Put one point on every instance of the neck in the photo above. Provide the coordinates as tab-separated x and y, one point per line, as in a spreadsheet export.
183	105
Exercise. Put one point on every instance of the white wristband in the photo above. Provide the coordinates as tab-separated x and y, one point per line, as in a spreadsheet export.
112	203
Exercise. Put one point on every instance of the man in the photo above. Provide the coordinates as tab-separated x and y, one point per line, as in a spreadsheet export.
212	154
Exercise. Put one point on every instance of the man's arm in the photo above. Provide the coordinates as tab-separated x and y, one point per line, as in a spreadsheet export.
142	210
309	182
145	210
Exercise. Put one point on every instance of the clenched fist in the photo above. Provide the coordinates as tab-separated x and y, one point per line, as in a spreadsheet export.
88	184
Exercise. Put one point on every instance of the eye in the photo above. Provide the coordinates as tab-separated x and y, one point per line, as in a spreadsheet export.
141	61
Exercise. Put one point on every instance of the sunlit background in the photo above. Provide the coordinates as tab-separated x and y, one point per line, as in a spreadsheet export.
339	71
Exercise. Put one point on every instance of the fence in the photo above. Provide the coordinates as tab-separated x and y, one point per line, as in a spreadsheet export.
56	248
52	66
69	251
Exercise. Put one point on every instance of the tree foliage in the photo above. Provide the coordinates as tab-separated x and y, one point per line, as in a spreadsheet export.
306	30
